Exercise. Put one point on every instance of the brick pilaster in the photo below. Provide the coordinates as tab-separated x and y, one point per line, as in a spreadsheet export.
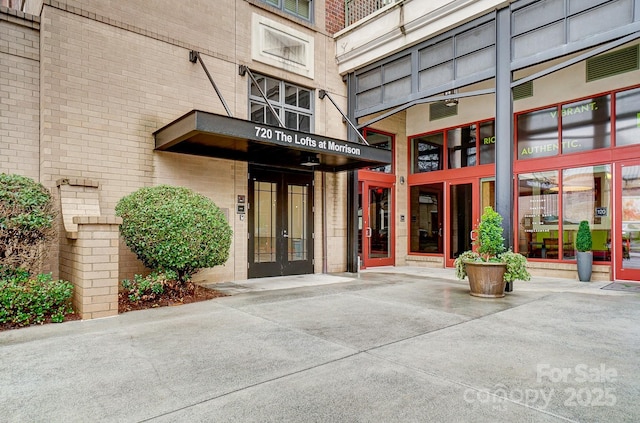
90	262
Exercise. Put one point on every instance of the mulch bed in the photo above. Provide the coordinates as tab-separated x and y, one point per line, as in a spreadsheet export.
9	326
199	293
170	298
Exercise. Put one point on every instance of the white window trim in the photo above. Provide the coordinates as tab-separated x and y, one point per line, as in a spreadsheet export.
268	36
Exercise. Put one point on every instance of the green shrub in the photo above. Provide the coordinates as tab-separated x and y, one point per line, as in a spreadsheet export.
489	241
174	228
516	266
25	300
584	241
149	287
490	247
26	222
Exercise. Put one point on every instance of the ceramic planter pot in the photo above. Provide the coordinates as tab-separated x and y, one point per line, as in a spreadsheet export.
486	279
585	265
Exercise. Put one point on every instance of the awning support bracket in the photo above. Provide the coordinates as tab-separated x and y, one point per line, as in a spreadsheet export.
242	71
194	57
322	94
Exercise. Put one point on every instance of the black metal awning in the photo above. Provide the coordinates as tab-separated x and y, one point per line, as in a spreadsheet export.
212	135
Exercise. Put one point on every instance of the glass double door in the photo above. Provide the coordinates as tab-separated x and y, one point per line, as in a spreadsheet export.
375	224
280	222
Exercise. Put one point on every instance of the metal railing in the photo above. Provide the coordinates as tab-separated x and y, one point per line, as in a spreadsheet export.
355	10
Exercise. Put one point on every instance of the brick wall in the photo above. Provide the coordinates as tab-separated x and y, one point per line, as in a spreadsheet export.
334	16
19	92
115	75
90	262
107	90
84	86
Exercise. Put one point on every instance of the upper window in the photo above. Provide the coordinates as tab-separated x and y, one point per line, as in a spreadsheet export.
487	142
628	117
292	103
454	148
427	153
585	126
379	140
461	144
299	8
538	133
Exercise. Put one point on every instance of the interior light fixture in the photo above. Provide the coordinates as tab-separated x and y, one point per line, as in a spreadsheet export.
450	102
310	160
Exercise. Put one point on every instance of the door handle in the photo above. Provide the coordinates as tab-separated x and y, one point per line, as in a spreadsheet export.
285	234
368	232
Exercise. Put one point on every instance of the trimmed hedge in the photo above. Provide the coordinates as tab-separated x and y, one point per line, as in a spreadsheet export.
174	228
584	242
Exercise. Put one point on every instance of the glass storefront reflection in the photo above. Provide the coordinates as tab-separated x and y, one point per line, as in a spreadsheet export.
586	195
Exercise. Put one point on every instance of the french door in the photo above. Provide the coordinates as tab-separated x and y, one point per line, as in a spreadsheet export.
375	227
625	242
280	222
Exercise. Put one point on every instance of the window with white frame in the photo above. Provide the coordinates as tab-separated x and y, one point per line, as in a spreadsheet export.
292	103
300	8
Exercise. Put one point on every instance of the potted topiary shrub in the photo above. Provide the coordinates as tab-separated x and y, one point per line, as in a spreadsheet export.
490	267
584	256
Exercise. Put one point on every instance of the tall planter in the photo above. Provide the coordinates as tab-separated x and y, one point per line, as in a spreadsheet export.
486	279
585	265
584	256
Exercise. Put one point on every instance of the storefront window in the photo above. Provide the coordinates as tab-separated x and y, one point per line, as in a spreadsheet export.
586	195
461	144
586	125
426	153
426	219
538	214
628	117
488	142
538	134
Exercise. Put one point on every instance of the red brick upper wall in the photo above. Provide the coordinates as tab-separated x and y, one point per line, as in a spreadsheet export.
334	16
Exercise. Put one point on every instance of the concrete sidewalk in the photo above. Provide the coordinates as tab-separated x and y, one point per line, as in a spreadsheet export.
387	345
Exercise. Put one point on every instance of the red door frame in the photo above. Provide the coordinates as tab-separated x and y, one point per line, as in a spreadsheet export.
367	179
617	239
475	212
366	187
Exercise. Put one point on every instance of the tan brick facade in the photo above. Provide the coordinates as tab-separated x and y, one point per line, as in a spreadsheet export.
19	93
86	83
90	262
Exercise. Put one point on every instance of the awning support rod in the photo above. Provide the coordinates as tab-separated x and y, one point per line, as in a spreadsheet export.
242	70
194	57
322	94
